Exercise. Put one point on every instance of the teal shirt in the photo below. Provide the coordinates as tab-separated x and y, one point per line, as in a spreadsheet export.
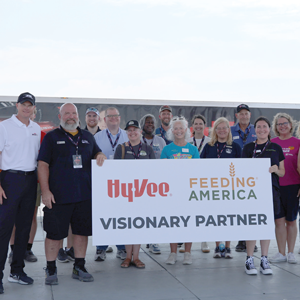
173	151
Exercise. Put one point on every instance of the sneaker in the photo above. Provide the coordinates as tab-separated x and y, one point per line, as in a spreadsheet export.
100	255
265	267
278	257
51	277
1	288
249	266
154	248
228	253
121	254
70	254
109	249
187	258
82	274
29	256
217	253
171	259
148	245
241	246
21	278
62	256
205	247
10	256
255	248
291	258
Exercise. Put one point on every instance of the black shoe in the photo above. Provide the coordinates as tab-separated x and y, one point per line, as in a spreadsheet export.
62	256
147	246
70	254
1	288
20	278
255	248
241	246
29	256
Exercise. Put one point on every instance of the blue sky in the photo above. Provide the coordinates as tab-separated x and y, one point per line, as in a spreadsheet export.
237	50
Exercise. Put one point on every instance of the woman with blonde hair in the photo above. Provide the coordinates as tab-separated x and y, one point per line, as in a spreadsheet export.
285	221
221	146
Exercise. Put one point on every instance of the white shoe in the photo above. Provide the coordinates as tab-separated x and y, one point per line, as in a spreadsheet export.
278	257
264	266
171	259
291	258
154	248
187	258
205	247
249	266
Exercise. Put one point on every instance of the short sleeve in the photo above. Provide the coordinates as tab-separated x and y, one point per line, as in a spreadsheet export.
46	149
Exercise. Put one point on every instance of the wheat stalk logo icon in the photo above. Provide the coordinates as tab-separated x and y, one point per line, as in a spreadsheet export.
232	170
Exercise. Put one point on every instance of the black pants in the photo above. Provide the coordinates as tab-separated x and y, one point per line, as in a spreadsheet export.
17	209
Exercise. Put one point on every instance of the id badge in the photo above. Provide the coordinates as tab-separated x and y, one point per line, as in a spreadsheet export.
77	161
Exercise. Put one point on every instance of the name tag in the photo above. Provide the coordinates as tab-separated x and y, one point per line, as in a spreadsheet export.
185	150
129	152
61	142
258	151
77	161
236	137
84	142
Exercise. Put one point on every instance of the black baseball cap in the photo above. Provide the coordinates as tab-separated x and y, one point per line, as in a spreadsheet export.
165	107
132	123
242	106
26	97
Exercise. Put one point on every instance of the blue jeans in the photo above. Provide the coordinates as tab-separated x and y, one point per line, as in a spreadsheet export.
119	247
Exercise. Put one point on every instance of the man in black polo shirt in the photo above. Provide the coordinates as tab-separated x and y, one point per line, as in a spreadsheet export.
64	170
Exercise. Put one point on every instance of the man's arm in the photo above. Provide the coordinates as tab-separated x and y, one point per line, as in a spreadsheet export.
43	173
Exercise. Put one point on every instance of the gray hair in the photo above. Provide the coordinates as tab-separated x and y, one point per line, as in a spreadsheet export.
143	120
61	108
184	122
290	119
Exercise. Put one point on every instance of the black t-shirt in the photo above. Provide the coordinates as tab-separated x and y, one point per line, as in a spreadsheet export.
68	184
146	152
272	151
225	151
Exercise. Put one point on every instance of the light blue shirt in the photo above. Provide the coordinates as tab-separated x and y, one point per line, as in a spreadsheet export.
104	144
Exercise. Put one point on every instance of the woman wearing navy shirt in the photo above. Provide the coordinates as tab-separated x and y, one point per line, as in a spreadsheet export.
221	146
263	148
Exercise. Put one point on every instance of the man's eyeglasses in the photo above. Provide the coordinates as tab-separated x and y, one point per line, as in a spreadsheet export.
112	116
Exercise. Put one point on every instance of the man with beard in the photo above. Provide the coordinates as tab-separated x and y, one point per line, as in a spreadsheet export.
243	133
19	146
65	177
92	118
165	116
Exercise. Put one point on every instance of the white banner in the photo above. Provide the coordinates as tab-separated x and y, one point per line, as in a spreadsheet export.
163	201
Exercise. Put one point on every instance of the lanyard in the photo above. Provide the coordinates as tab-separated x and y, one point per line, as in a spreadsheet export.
162	134
219	153
244	138
113	145
254	151
195	143
74	143
136	156
144	139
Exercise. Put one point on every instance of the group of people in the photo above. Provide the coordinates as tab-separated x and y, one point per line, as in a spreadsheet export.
62	162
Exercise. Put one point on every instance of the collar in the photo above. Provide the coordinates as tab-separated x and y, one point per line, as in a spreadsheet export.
64	131
238	128
111	133
98	129
19	123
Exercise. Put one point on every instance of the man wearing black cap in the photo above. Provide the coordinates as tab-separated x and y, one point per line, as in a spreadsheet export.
19	146
92	118
165	116
243	133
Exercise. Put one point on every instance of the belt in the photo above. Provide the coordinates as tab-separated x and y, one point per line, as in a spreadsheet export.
20	172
